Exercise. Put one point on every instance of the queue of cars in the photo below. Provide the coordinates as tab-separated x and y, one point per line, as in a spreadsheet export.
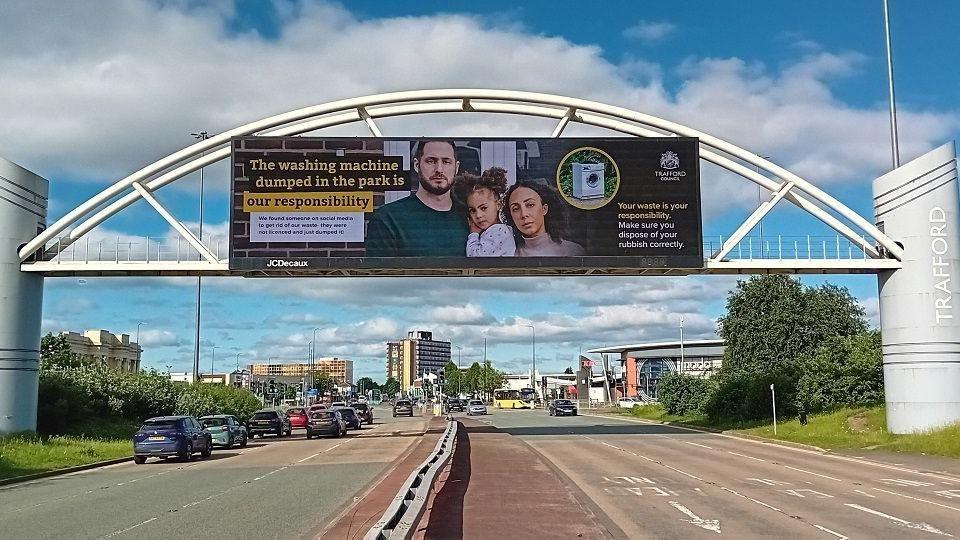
183	436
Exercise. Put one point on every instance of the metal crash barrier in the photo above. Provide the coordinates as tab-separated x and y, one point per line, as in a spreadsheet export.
401	517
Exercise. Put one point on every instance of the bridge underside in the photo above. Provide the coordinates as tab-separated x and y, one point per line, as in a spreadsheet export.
170	269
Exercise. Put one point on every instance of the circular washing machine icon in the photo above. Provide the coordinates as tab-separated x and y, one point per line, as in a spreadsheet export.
588	180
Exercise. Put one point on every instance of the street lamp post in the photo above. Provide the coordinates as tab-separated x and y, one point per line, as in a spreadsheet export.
533	373
459	373
139	348
202	135
680	367
212	360
313	357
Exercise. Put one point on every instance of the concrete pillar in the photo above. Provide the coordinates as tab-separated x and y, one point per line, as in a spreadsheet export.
917	206
23	213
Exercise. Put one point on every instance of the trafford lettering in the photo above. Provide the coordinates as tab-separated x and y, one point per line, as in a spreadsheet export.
941	264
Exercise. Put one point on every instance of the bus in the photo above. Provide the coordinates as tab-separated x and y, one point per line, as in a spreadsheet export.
513	399
374	397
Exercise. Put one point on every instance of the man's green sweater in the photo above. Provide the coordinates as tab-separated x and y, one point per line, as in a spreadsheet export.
409	228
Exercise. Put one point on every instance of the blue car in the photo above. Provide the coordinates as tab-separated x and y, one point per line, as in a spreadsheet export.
171	436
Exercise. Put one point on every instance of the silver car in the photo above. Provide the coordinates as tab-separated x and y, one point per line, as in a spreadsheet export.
475	406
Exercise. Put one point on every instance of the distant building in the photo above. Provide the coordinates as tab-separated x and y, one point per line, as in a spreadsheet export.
416	356
645	363
117	352
339	369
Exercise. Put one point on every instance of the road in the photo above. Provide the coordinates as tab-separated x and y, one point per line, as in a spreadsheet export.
274	488
656	481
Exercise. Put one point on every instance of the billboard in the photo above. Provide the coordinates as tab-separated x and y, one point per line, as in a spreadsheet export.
305	205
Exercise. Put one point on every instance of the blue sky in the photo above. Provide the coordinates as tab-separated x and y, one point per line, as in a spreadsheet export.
98	93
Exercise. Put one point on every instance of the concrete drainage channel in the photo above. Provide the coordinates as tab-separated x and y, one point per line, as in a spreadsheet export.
402	516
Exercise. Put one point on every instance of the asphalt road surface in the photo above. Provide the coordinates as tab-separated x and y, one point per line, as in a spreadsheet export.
274	488
656	481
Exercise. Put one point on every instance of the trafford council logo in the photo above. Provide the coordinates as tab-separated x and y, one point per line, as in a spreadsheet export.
669	160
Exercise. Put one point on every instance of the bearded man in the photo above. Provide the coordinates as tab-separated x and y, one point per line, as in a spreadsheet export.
426	224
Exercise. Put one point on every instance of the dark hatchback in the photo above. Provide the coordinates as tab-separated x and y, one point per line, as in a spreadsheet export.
364	411
402	406
270	421
325	422
563	407
171	436
455	405
350	417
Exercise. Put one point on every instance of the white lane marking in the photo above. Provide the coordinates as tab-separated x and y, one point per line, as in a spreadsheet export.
820	453
826	530
700	445
746	456
121	531
269	473
708	524
949	493
921	526
309	457
770	482
865	493
320	452
904	482
919	499
761	503
813	473
800	493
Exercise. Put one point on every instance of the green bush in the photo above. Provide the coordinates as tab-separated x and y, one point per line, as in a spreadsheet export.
742	395
845	370
71	395
683	394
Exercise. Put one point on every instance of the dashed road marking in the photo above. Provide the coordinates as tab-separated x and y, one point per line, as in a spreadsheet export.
954	508
813	473
745	456
921	526
700	445
121	531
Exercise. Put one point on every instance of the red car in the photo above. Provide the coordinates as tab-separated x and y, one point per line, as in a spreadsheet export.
298	417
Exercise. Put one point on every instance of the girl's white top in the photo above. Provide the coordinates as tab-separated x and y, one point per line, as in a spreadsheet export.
496	241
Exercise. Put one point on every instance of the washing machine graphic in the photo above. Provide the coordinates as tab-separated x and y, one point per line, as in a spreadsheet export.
588	180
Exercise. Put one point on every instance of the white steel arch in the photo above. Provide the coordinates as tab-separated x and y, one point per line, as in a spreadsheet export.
783	184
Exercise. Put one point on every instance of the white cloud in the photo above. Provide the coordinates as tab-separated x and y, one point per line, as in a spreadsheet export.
159	338
649	31
469	314
143	75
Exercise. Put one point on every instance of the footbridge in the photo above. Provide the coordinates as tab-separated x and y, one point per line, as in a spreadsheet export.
910	243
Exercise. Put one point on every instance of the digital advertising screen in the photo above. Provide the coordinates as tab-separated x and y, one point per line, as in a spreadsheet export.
305	205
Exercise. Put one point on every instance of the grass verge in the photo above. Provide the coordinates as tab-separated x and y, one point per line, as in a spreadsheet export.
28	453
847	428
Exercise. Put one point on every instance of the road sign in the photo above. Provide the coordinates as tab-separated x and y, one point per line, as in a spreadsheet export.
312	392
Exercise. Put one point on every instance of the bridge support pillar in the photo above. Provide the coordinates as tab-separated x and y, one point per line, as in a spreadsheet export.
23	213
917	205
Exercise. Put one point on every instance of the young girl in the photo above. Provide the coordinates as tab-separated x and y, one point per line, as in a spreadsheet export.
483	198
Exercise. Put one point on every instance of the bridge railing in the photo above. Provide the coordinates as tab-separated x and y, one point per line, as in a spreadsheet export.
145	249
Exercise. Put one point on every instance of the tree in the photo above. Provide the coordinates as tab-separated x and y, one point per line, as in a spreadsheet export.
773	320
453	379
323	383
391	387
568	371
55	353
365	384
490	379
472	379
846	370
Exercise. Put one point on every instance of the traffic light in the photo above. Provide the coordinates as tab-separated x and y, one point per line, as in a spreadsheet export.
273	387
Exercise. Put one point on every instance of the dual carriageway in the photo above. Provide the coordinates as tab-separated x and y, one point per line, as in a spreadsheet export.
520	474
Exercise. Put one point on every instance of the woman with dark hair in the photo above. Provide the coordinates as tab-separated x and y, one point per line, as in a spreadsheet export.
535	213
